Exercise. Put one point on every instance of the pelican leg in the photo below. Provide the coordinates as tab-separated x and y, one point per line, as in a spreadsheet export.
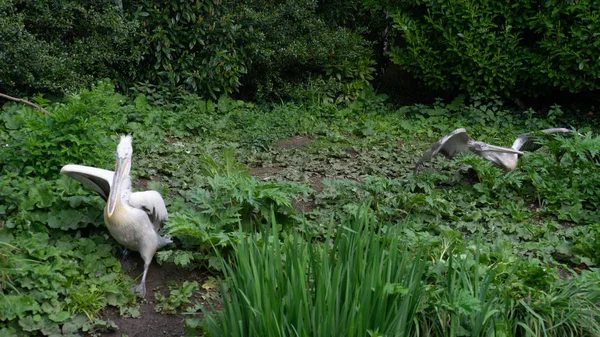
141	288
126	261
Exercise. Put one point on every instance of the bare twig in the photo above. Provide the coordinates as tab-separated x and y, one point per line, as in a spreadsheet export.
24	102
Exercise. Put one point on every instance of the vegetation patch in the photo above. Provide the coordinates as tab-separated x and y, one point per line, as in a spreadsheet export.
466	246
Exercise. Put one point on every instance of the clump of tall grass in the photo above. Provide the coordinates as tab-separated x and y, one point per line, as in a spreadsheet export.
353	286
361	283
568	308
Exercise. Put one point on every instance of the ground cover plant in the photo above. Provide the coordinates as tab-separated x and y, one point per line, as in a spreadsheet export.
362	283
464	250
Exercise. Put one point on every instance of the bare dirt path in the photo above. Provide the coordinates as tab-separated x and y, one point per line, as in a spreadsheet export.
152	323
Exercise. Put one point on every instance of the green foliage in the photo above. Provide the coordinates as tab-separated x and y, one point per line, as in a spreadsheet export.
275	288
355	14
36	202
62	45
55	280
178	298
73	132
572	190
567	56
304	54
268	295
197	45
226	201
567	308
211	48
504	253
38	145
490	47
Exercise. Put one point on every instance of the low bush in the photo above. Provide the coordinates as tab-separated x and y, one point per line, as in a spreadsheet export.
199	46
60	46
226	205
490	47
304	54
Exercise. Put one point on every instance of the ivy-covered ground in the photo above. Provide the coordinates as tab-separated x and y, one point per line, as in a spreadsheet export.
230	170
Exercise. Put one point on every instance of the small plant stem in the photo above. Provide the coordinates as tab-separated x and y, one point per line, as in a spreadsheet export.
25	102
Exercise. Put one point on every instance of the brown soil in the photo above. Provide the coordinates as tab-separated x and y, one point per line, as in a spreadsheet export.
141	184
304	206
294	142
152	323
316	182
265	173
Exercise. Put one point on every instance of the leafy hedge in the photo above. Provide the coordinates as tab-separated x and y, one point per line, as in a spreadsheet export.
496	47
198	45
57	46
295	48
257	47
299	48
207	47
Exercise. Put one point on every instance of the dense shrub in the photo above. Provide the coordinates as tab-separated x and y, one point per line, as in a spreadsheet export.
207	47
77	131
36	146
295	48
197	45
493	47
260	47
55	46
370	22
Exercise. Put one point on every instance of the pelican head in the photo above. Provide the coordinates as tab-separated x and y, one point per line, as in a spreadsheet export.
120	179
504	157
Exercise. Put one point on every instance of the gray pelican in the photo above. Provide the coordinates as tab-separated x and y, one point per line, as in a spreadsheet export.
459	141
132	218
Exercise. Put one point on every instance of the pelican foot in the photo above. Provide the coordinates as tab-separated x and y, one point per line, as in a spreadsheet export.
140	290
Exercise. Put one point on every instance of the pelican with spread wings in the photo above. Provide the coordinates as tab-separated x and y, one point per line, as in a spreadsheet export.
507	158
132	218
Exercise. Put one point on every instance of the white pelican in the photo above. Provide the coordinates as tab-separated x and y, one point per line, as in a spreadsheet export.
132	218
459	141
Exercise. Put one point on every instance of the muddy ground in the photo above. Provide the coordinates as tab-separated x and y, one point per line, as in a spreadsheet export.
150	322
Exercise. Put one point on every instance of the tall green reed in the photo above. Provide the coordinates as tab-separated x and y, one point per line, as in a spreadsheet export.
355	284
359	282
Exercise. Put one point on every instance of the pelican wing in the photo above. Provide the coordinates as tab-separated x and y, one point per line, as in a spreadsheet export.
526	141
456	142
99	180
153	204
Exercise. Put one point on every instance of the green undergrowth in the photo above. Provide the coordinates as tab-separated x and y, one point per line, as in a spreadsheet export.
55	284
541	210
362	282
228	170
225	206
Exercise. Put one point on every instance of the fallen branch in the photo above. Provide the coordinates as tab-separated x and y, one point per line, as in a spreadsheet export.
24	102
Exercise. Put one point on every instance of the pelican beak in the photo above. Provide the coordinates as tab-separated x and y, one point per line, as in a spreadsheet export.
495	148
120	172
